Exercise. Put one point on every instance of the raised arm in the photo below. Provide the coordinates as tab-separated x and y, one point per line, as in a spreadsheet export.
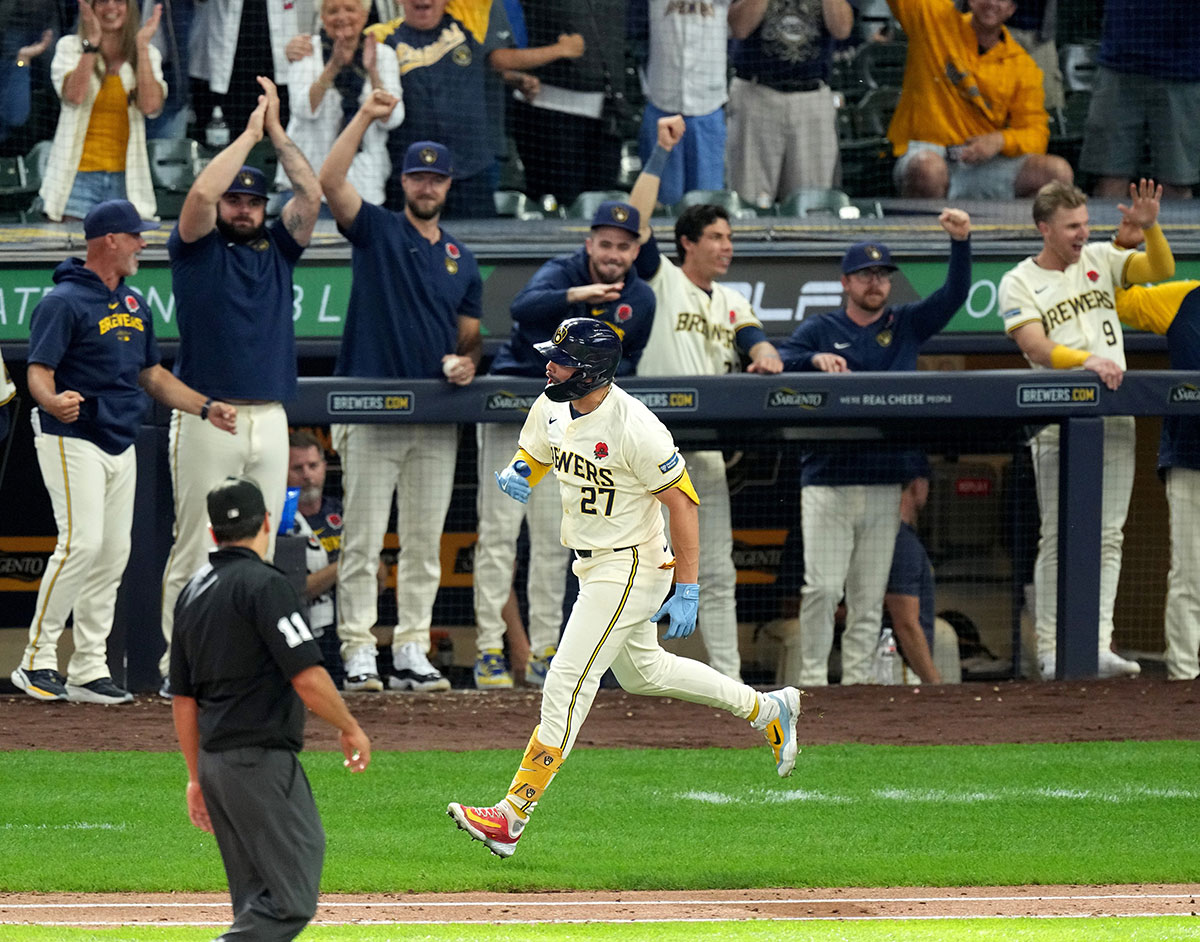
150	91
1157	262
934	312
199	214
645	189
299	214
343	199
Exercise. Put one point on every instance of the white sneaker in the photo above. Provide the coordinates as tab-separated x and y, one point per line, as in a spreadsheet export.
1113	665
411	670
778	712
1047	666
362	673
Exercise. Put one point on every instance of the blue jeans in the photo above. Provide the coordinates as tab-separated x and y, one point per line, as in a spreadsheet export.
697	163
91	188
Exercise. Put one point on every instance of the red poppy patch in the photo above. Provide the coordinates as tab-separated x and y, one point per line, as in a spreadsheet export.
624	312
732	316
334	520
1094	276
131	303
452	250
601	450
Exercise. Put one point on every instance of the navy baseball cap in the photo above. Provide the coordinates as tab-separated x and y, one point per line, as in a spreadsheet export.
617	214
114	216
866	255
234	500
428	157
249	180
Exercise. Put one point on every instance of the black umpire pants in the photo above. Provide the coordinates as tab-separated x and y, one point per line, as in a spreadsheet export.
270	836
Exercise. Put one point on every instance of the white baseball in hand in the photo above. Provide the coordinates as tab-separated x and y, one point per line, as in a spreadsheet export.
449	365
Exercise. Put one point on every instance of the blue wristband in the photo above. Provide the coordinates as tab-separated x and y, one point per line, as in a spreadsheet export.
658	161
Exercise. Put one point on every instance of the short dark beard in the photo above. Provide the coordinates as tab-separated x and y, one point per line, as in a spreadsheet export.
425	214
229	234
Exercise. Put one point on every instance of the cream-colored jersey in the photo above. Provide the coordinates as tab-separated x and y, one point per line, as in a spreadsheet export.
609	463
7	388
693	333
1077	307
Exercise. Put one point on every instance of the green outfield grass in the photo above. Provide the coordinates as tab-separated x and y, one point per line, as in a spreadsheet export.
1083	813
961	930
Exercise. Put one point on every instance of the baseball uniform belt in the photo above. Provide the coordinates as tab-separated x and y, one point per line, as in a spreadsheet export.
588	554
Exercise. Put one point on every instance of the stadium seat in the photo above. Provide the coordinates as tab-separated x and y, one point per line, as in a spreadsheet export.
516	205
631	164
36	162
881	64
862	141
174	163
586	202
814	200
19	184
262	155
1078	64
727	199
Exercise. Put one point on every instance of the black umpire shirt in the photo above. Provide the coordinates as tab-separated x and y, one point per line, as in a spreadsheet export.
239	639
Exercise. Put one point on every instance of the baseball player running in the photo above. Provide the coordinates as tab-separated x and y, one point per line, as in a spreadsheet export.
701	329
231	275
598	281
616	464
1059	306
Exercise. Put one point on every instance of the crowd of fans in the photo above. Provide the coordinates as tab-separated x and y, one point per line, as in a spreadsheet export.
543	94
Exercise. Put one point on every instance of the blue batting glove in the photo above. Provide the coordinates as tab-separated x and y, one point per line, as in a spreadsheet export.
681	607
512	480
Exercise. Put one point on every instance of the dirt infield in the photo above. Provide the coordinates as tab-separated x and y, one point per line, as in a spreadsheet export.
976	713
1139	709
127	909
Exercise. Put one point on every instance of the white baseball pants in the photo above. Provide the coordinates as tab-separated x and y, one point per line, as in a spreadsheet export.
1183	581
416	462
201	457
610	626
849	536
1119	452
92	493
496	547
717	622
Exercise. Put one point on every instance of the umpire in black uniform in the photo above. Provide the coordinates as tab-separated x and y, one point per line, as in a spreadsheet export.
242	662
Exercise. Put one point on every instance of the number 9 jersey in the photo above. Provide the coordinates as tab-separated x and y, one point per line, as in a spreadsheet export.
609	463
1077	307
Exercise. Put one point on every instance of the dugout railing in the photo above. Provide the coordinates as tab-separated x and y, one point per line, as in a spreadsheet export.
992	409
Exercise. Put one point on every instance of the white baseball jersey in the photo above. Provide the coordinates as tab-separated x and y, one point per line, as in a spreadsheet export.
1077	307
609	463
693	333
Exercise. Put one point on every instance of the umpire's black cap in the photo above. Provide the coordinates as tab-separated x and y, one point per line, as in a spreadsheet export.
234	500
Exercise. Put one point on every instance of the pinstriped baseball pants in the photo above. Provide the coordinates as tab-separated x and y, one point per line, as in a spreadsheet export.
610	627
92	494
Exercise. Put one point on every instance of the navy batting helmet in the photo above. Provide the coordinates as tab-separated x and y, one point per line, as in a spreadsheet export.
592	347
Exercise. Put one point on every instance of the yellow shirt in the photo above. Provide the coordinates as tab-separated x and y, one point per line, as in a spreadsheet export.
1153	308
953	92
107	136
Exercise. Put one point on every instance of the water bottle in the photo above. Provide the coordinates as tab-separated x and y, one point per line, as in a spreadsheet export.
216	135
885	658
287	519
